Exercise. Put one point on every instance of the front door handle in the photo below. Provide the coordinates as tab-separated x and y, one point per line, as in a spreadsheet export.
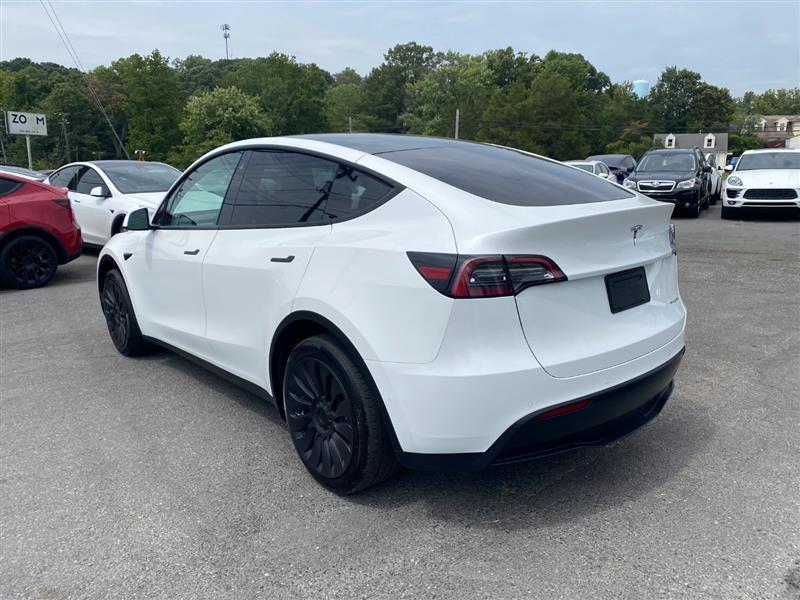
285	259
192	252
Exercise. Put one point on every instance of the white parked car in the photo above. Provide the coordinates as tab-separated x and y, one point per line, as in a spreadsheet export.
102	192
431	303
762	179
595	167
715	179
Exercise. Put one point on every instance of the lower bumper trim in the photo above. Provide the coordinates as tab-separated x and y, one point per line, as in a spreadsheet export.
608	415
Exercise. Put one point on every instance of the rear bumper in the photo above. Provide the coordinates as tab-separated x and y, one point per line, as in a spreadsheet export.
609	415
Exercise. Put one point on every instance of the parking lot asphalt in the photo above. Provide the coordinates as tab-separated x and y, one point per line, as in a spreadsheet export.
152	478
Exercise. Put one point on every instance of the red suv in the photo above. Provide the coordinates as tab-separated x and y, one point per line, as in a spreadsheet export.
37	232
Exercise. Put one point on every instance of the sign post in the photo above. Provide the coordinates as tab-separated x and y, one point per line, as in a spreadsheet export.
27	124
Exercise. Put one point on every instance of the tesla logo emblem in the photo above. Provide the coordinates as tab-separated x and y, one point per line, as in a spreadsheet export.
635	229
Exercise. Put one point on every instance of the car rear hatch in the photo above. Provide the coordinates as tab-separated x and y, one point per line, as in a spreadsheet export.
620	299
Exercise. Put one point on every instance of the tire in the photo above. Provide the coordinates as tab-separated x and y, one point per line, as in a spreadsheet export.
334	418
693	211
120	318
27	262
729	213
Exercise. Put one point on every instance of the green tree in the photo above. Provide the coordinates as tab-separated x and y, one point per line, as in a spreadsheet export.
738	143
152	103
672	97
633	140
460	82
711	109
386	87
343	102
217	117
291	94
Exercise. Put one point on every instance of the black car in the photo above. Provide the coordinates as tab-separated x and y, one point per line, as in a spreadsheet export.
621	165
679	176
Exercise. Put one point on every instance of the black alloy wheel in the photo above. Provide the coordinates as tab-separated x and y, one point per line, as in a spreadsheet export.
120	318
320	417
115	309
333	412
28	262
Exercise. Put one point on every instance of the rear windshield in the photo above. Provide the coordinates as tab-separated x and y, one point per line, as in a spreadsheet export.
769	160
507	176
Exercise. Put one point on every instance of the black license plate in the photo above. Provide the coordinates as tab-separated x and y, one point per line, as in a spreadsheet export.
627	289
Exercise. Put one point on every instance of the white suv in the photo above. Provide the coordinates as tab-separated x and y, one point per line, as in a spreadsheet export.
411	301
762	180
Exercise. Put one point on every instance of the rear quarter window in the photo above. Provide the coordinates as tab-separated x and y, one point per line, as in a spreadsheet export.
8	185
507	176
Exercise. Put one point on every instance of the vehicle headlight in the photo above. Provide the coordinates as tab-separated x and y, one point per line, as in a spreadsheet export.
734	180
689	183
629	184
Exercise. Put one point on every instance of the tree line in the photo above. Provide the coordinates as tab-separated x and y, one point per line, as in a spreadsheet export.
558	105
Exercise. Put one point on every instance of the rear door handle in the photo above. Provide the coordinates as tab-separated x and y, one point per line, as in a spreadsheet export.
192	252
285	259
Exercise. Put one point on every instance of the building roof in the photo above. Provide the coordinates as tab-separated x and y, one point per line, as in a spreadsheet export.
690	140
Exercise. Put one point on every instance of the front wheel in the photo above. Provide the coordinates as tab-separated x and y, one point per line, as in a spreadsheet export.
334	417
694	211
27	262
120	318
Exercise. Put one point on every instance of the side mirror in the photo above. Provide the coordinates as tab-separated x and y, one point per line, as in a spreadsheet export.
706	169
100	191
139	220
729	168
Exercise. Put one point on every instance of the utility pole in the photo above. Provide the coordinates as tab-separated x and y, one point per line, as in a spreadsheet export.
458	119
64	124
226	33
350	124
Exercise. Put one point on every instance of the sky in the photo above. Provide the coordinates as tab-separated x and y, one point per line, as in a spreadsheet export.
742	45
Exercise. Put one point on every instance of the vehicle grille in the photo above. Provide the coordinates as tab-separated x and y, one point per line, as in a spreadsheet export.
732	193
773	194
656	186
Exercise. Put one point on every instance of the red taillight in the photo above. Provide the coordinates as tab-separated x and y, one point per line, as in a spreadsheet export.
63	202
484	276
481	277
563	410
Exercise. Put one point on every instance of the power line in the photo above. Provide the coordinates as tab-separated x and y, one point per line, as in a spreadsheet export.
74	56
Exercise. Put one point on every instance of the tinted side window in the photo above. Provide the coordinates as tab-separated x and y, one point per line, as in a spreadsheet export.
7	186
64	178
88	179
507	176
198	199
281	188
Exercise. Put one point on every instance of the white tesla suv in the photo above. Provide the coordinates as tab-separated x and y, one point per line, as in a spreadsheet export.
103	192
763	179
412	301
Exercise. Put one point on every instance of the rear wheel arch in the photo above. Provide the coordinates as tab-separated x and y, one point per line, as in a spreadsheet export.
302	325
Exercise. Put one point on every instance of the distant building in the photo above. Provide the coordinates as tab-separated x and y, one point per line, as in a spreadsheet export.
709	143
641	87
777	130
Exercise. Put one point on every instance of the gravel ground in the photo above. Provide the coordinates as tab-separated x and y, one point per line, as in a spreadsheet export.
151	478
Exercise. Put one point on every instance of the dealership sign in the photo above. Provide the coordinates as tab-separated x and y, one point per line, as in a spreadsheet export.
24	123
